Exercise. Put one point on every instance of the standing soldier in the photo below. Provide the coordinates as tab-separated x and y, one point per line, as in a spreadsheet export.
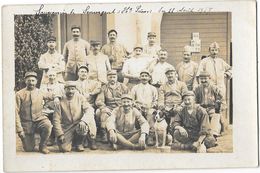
108	99
88	88
151	49
158	67
210	98
187	69
98	63
51	60
116	53
30	118
121	126
75	52
74	119
146	97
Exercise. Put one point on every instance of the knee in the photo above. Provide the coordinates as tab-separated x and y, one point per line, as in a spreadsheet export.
176	134
47	126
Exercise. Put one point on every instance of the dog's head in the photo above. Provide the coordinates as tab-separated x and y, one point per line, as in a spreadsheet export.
158	115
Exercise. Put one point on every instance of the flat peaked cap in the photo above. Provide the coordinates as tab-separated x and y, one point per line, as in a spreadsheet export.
30	74
169	69
138	46
187	48
145	71
75	27
151	34
127	96
111	72
112	30
84	66
214	45
188	93
51	38
70	84
95	42
204	74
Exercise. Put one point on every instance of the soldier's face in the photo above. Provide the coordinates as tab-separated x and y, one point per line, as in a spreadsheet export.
83	73
188	101
171	75
75	32
151	39
51	44
138	51
213	51
52	77
163	55
126	103
186	56
112	79
204	80
31	82
144	77
112	36
70	91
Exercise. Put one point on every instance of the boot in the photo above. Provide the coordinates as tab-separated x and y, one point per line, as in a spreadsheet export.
44	149
138	147
80	148
92	144
103	134
114	146
150	139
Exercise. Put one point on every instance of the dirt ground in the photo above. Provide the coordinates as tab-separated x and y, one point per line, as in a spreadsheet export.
225	145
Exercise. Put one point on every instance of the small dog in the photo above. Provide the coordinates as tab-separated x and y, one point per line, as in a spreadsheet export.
160	127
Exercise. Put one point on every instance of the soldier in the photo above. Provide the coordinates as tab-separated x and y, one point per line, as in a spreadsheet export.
158	67
75	52
116	53
210	98
187	69
121	126
191	126
51	60
88	88
29	116
217	68
170	94
151	49
108	99
74	119
98	63
134	65
146	97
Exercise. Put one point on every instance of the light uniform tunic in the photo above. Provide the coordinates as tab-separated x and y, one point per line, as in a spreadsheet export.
152	51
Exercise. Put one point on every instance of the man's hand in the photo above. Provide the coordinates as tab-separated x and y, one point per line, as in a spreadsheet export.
112	136
21	135
56	101
142	140
83	128
160	107
105	110
182	131
61	139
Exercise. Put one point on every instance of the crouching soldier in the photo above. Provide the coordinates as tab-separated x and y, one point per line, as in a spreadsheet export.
30	118
191	127
121	126
74	119
108	99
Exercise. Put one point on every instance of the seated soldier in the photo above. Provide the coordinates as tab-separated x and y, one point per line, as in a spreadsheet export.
145	96
210	98
74	119
191	126
29	116
108	99
121	126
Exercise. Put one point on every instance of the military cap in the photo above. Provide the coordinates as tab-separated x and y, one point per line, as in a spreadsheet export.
169	69
151	34
138	46
75	27
30	73
127	96
70	84
84	66
214	45
145	71
51	38
112	30
187	48
95	42
111	72
204	74
188	93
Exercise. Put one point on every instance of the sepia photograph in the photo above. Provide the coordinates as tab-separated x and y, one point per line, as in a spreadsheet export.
123	81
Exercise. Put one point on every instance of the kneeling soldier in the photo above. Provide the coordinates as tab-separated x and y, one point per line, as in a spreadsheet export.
74	119
121	126
191	126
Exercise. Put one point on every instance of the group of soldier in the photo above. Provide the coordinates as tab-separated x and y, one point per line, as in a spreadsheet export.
90	91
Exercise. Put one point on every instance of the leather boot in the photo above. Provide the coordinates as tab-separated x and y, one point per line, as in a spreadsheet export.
103	134
138	147
92	144
43	149
80	148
